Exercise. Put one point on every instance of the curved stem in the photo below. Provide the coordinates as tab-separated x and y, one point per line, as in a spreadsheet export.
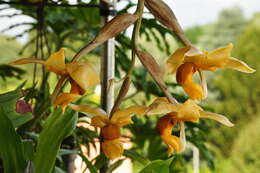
58	88
127	81
137	26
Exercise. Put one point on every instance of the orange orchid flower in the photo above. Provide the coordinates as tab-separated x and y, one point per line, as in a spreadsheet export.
179	113
110	128
82	75
184	62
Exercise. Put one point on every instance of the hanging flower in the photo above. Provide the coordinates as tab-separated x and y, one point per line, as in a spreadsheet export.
82	75
110	128
179	113
186	61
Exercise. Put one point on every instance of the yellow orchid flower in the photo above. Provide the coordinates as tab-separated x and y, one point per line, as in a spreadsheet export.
82	75
184	62
55	63
179	113
110	128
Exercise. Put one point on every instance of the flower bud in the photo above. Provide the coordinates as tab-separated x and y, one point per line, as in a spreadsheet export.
22	107
115	26
163	14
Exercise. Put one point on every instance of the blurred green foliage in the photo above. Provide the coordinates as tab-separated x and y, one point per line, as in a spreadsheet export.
245	153
237	94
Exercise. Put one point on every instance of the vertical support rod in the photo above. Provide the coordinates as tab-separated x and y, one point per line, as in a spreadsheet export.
196	159
107	65
107	61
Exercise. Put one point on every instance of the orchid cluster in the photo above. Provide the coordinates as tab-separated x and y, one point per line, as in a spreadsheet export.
183	63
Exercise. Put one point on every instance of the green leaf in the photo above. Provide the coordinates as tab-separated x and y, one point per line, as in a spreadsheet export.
58	170
66	152
57	127
156	166
11	147
136	156
8	103
101	160
90	166
178	164
28	149
115	165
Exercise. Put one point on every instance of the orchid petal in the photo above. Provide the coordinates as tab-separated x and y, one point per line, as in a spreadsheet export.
99	121
193	51
56	62
123	117
221	53
239	65
160	106
173	143
112	148
88	110
84	74
188	111
220	118
176	59
27	61
193	90
203	83
64	99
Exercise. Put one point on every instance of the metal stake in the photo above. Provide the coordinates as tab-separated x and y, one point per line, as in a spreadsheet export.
107	60
107	10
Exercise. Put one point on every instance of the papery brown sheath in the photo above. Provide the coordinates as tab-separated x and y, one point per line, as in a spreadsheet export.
110	30
155	71
165	16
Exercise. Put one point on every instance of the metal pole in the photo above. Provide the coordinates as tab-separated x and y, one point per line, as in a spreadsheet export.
107	10
107	60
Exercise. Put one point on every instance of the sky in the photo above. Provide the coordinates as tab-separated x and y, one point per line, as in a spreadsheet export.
188	12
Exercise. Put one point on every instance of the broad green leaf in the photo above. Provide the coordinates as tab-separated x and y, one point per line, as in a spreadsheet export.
57	127
8	102
161	166
28	149
11	147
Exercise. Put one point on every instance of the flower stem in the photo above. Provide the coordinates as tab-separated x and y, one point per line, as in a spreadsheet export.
127	79
58	88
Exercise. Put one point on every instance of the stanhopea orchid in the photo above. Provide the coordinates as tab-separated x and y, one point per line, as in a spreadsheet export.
189	111
184	62
81	75
110	128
